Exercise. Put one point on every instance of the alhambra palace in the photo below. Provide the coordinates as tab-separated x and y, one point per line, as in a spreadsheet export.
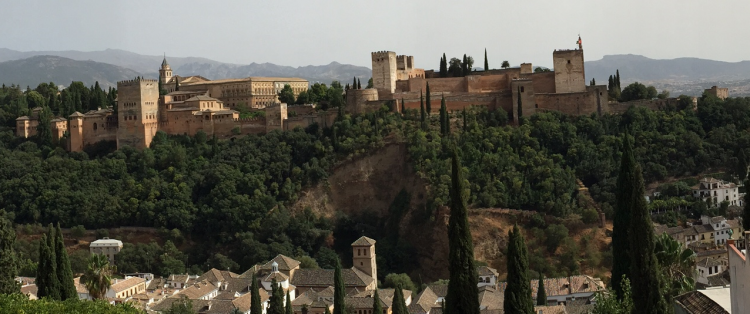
192	104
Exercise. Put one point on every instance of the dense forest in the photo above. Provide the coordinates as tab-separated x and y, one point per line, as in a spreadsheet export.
231	198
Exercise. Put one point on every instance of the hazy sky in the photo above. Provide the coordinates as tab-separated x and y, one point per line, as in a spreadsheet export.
304	32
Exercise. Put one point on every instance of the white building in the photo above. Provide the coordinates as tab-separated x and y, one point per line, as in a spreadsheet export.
722	230
717	191
709	268
739	274
106	246
487	276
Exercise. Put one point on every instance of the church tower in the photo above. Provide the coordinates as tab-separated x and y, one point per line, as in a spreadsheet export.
165	72
363	251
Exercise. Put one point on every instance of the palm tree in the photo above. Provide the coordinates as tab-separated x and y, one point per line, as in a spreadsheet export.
676	264
98	276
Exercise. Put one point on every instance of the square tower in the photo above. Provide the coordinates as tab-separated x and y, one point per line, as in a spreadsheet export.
569	72
384	71
363	251
138	111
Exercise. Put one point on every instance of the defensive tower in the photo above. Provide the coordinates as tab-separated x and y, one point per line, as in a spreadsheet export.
569	72
363	251
138	111
384	71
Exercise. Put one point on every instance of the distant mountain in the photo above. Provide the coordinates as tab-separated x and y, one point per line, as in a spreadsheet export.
639	68
148	66
34	70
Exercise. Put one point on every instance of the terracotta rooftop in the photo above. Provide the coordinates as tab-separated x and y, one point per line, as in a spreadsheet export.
125	284
364	241
486	271
696	302
324	278
285	263
198	290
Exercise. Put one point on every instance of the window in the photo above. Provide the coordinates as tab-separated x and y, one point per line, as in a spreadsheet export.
568	61
522	89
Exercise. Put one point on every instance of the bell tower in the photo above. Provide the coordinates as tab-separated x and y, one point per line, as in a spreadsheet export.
165	72
363	251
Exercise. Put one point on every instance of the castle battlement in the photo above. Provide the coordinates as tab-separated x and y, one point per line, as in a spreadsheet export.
382	54
135	82
253	119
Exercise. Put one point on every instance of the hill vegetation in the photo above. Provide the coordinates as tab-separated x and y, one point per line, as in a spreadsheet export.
31	71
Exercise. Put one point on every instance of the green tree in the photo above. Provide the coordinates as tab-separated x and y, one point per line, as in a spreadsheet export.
505	65
64	273
676	265
339	293
610	304
486	63
359	84
443	117
394	280
276	302
541	293
456	67
255	306
644	268
621	220
303	98
541	70
520	105
518	291
463	293
289	308
741	169
19	303
47	282
399	303
8	257
422	114
44	129
377	305
182	306
98	276
634	91
286	95
176	83
746	211
617	80
428	102
369	83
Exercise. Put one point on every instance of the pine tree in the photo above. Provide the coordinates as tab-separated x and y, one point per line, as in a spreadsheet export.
339	293
520	105
255	306
444	67
423	118
64	273
289	309
428	105
359	84
611	84
8	257
399	303
518	290
463	294
541	294
644	267
621	220
486	63
377	306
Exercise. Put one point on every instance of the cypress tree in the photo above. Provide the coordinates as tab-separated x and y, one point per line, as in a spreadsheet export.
8	257
610	83
161	88
276	302
399	303
741	165
359	84
46	273
288	308
428	105
463	294
619	87
520	105
176	83
377	306
644	271
255	306
354	82
541	294
518	290
328	310
463	113
442	116
486	63
64	273
422	113
403	108
621	220
339	292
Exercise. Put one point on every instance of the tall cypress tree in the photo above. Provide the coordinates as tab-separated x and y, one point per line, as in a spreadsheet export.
403	108
354	83
289	309
741	165
423	118
518	290
428	105
486	63
176	83
465	66
644	267
442	116
276	302
463	113
541	294
359	84
621	220
8	257
619	87
255	306
46	274
463	294
399	303
339	292
520	105
377	306
64	273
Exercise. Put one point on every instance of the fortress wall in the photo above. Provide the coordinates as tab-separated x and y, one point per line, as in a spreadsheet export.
459	101
568	103
448	85
105	130
487	83
544	82
302	110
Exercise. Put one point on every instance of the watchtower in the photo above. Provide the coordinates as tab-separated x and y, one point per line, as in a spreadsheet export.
384	71
363	251
75	129
569	72
138	110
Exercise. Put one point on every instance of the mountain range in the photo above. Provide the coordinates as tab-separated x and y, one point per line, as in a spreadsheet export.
681	75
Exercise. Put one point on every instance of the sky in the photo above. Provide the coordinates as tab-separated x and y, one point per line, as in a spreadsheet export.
316	32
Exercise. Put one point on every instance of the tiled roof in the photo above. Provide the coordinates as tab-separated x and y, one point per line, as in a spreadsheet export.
439	290
710	262
696	302
324	278
734	223
486	271
703	228
579	306
156	283
29	289
214	275
564	285
80	288
491	299
285	263
718	280
427	299
125	284
364	241
198	290
710	252
277	275
550	309
202	98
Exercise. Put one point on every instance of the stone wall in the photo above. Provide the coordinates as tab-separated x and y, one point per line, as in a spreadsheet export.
356	99
384	70
569	71
137	112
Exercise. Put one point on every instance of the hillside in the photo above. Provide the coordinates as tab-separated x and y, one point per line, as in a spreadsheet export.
62	71
147	66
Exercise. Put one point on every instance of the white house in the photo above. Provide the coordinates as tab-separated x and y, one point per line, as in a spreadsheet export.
717	191
487	276
281	280
709	267
106	246
722	230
